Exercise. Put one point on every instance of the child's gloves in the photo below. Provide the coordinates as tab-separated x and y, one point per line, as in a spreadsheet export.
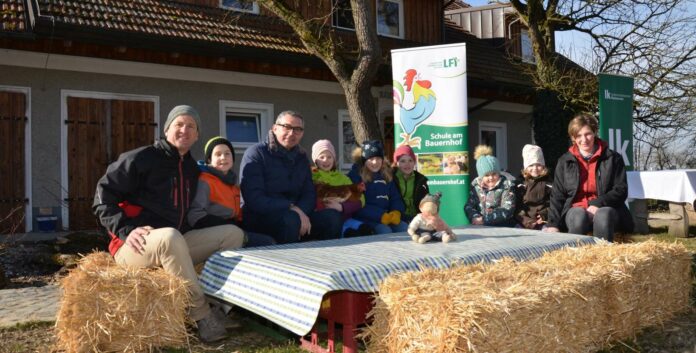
391	217
386	218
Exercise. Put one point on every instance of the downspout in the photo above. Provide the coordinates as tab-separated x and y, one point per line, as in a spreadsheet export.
31	13
509	31
35	19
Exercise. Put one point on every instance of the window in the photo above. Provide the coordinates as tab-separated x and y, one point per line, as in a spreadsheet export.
346	140
244	123
343	15
390	18
241	127
241	6
526	47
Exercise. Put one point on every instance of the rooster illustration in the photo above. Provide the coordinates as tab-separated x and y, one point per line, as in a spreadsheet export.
416	104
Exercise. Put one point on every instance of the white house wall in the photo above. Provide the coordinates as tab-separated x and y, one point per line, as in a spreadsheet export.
517	119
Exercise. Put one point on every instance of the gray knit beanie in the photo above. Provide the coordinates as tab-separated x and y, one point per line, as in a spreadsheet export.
182	110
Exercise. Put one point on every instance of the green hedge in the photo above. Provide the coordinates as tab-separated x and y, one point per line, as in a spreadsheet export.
550	125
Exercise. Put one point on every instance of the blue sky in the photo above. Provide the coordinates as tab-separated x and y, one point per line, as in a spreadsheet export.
476	2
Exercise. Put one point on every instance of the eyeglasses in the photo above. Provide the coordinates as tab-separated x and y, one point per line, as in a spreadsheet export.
288	128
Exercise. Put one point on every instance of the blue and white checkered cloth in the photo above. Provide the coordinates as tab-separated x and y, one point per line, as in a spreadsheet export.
286	283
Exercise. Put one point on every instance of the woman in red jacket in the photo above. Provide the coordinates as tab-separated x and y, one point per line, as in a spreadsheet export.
589	189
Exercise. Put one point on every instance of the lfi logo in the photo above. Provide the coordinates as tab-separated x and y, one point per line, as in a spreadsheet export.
451	62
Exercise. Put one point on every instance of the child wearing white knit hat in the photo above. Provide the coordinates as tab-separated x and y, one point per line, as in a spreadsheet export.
534	193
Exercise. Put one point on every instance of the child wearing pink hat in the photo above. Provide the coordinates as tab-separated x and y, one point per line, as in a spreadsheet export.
325	172
412	185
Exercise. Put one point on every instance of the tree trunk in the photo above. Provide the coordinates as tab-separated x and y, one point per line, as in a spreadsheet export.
355	74
363	116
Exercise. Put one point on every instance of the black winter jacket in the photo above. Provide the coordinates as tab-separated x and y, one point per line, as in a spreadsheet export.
612	188
153	177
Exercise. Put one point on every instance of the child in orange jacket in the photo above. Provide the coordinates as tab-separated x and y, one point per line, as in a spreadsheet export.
217	199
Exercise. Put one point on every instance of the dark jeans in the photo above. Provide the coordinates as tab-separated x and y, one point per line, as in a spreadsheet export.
258	239
284	226
602	225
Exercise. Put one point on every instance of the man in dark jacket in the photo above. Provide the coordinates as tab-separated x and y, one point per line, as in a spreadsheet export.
277	189
589	188
142	201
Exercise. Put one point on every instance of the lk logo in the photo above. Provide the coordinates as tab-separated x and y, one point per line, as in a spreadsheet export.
619	145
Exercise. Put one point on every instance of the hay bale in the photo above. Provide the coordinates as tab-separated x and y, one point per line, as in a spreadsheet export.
571	300
110	308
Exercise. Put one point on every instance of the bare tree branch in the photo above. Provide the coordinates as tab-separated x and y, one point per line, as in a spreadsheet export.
650	40
354	71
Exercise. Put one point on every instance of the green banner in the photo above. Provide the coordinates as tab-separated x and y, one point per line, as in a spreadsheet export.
443	157
430	115
616	114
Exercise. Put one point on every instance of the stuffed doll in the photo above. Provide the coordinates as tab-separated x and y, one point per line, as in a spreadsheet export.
428	225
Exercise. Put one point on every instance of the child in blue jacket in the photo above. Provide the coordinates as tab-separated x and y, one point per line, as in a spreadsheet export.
383	204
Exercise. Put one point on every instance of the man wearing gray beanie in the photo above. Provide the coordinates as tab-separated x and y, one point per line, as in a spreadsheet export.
182	110
142	201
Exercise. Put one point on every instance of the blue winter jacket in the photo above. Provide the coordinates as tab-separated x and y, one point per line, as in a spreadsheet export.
273	178
380	197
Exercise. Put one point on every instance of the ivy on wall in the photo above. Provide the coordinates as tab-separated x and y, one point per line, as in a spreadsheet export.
550	121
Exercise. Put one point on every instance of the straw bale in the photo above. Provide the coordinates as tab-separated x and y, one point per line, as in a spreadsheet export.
111	308
570	300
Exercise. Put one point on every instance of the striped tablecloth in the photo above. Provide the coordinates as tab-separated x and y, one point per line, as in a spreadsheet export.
286	283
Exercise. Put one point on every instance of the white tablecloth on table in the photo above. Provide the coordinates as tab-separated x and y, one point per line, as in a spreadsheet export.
668	185
286	283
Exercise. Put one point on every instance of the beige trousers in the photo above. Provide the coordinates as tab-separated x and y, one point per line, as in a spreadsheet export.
177	254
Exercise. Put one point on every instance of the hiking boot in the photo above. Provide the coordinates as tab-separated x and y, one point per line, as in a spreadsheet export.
364	229
210	329
351	233
226	321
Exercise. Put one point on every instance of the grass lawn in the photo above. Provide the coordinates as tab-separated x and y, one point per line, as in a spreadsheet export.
676	335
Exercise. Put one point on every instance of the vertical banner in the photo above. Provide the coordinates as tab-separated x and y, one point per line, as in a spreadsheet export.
430	115
616	114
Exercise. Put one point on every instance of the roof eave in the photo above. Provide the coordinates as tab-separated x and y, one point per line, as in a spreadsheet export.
45	27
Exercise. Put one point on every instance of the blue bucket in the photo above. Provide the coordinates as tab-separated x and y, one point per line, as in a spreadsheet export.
47	223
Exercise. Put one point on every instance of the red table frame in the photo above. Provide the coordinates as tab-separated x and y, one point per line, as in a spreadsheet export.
340	307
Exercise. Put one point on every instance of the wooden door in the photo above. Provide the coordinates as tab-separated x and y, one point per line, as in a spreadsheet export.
87	157
99	130
12	188
132	126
